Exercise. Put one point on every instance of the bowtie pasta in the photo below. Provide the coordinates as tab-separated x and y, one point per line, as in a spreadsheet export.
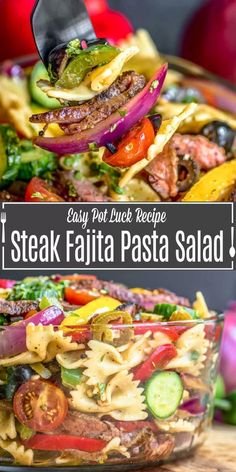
107	383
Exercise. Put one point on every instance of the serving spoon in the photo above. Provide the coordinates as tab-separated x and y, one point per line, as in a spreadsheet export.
55	22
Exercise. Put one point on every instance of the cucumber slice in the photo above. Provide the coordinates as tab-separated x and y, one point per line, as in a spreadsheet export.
166	310
164	392
39	72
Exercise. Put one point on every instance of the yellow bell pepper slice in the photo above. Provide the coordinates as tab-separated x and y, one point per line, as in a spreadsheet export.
82	315
215	186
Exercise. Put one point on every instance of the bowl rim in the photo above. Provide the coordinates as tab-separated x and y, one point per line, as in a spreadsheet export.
159	324
219	319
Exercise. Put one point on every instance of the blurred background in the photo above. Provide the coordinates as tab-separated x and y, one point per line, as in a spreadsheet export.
203	31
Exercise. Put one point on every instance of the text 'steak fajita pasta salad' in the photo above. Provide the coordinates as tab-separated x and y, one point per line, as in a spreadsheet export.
112	123
94	373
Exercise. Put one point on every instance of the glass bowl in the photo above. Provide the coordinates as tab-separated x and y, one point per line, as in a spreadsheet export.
121	396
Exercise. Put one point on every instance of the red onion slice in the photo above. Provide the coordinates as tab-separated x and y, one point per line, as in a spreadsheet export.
13	338
193	406
111	129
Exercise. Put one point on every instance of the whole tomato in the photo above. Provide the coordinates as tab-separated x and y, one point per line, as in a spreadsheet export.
210	38
15	31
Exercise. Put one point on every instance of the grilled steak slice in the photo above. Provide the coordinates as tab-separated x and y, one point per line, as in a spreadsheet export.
87	426
146	300
73	190
162	172
17	308
129	82
203	151
104	108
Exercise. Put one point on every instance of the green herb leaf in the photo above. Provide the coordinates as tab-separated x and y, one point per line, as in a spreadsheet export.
36	288
154	85
73	48
93	147
122	112
102	388
72	192
38	195
117	189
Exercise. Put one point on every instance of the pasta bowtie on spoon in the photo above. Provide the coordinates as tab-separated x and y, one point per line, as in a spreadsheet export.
56	22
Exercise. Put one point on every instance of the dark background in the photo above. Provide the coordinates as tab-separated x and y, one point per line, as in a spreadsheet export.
164	19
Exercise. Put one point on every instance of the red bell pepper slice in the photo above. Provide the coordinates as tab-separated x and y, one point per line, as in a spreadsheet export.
158	360
5	283
80	297
172	332
79	335
44	442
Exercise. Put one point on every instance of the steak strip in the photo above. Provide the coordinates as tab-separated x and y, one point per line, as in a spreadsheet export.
108	107
75	114
162	172
121	292
17	308
74	190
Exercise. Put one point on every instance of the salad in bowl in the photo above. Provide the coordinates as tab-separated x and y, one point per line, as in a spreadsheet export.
115	123
93	373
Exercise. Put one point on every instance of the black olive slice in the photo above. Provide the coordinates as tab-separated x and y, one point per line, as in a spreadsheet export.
191	171
219	132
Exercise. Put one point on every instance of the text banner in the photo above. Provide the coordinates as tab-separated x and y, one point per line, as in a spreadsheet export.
96	236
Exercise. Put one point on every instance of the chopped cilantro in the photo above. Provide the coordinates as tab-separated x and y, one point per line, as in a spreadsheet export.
36	288
70	162
154	85
38	195
102	388
117	189
72	192
73	48
77	175
122	112
93	147
194	355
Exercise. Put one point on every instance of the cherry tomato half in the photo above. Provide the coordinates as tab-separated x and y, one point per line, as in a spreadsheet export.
40	405
39	191
133	147
80	297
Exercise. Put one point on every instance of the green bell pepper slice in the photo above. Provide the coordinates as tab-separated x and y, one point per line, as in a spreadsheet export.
86	60
71	377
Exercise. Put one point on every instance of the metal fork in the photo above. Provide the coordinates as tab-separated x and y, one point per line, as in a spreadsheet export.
55	22
3	218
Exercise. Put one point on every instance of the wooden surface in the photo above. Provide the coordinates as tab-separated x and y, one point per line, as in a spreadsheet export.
218	454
